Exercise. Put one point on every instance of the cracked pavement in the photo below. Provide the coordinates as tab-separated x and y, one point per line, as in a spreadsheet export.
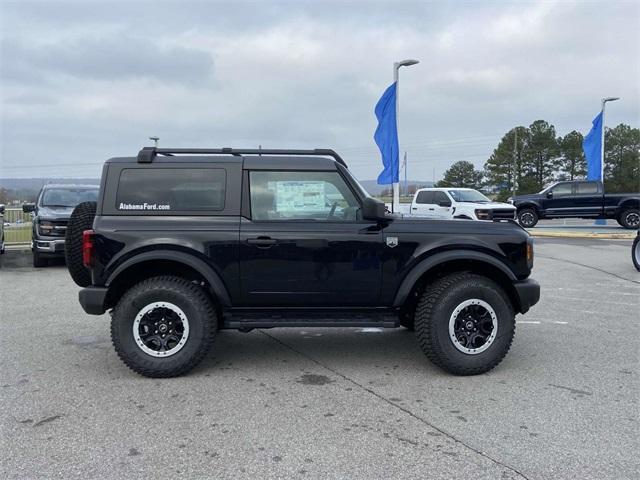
330	403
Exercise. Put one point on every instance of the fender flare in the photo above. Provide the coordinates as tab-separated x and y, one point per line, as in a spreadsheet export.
630	201
433	261
209	274
528	204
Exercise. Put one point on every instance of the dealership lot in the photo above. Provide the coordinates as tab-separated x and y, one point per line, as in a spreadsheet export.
330	403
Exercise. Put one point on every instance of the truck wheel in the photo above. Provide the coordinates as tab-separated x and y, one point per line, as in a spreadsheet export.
630	218
38	261
465	323
635	253
81	220
528	217
163	326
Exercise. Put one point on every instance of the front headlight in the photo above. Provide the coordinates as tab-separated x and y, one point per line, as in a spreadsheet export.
45	227
483	214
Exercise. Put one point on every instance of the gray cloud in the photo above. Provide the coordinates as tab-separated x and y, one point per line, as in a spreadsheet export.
85	81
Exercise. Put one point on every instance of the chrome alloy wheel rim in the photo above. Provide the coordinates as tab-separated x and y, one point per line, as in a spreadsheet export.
527	219
633	219
473	326
161	329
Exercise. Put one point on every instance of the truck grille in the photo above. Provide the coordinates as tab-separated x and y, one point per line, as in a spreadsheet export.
59	228
503	214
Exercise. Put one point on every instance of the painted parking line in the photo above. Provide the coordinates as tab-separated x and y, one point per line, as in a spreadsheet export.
539	322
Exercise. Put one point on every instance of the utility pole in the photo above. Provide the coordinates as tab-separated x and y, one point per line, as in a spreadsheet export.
515	161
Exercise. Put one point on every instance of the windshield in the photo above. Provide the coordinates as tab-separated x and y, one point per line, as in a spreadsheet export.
68	197
468	196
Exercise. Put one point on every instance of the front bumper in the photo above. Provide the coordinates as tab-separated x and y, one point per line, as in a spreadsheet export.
52	247
528	292
92	300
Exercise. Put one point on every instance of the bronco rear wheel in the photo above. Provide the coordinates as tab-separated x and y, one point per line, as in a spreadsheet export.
81	220
465	323
163	326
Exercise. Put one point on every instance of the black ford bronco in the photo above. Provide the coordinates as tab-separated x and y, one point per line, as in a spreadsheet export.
184	242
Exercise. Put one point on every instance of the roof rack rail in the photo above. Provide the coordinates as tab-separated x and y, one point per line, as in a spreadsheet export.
147	154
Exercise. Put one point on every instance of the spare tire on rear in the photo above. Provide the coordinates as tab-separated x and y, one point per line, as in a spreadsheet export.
81	220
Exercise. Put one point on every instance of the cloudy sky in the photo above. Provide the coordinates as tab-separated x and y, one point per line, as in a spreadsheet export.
84	81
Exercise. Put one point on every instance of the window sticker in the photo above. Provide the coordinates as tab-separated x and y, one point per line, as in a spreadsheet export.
298	196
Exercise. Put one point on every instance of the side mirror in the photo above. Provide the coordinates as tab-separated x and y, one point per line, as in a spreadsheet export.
373	209
549	194
29	207
444	204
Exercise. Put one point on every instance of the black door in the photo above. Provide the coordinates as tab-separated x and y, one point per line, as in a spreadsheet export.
305	243
587	199
558	200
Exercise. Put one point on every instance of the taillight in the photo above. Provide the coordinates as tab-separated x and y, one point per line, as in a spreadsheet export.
87	248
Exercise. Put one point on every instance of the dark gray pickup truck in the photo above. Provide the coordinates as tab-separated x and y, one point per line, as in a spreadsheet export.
578	199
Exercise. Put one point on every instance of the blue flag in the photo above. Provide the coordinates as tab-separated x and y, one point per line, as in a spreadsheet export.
592	146
386	137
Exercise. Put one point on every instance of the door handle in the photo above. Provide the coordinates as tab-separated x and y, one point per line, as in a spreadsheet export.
431	209
414	208
262	242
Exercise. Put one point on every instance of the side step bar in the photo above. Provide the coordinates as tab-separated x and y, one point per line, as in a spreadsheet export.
310	318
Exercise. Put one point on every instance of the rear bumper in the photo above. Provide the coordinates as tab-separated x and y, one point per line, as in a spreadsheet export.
92	300
528	292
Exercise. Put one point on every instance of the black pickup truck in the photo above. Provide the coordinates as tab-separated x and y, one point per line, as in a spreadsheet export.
184	242
578	199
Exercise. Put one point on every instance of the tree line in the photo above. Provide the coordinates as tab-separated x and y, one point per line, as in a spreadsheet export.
529	158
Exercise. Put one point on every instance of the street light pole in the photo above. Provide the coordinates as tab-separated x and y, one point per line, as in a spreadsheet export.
396	79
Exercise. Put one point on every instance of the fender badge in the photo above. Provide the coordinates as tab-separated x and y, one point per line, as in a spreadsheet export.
392	242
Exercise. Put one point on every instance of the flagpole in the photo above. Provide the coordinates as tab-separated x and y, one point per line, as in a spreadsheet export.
395	199
604	103
395	202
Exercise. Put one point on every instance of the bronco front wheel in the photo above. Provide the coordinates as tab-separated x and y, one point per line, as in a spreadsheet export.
163	326
465	323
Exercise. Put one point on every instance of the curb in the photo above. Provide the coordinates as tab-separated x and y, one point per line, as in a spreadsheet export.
603	236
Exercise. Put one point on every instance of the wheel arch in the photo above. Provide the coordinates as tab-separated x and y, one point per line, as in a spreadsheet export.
533	205
445	263
165	262
629	202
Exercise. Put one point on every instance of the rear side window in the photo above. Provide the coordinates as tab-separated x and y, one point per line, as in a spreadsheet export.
424	197
587	188
171	189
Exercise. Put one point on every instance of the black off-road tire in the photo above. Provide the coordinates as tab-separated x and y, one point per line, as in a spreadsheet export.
38	261
191	299
528	217
630	219
81	220
635	252
439	301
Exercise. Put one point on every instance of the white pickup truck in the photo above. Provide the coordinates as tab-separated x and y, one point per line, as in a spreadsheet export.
464	203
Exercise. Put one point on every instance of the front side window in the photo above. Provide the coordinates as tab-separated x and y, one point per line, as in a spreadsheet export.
440	197
562	189
171	189
314	196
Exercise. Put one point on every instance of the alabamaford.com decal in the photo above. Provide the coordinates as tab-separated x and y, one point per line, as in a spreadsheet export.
144	206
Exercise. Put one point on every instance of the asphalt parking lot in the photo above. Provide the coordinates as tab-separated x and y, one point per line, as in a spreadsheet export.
331	403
